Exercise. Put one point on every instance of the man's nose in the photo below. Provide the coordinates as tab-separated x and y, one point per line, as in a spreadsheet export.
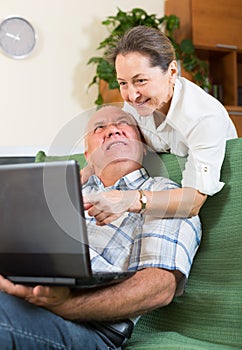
112	129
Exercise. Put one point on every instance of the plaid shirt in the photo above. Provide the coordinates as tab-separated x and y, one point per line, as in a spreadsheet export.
135	241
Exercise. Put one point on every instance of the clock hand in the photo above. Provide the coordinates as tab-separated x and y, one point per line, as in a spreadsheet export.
15	37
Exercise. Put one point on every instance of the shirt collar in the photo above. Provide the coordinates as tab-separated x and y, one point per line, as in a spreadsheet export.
130	181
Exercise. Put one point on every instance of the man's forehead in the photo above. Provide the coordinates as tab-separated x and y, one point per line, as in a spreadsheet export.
109	115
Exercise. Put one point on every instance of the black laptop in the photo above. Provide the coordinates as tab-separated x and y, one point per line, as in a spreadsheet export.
43	235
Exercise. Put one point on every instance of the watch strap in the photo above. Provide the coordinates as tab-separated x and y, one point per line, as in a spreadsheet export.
143	201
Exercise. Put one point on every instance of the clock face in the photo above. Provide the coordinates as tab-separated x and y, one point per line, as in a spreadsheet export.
17	37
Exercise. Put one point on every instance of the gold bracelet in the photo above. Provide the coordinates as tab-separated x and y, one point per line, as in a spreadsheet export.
143	201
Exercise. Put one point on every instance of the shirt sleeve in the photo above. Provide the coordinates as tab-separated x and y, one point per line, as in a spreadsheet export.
169	244
165	243
205	156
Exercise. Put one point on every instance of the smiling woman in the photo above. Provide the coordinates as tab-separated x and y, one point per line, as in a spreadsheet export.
174	114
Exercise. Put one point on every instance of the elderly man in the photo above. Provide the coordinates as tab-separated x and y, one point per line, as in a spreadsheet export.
160	250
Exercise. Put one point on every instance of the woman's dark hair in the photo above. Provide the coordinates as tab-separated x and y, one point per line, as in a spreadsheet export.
147	41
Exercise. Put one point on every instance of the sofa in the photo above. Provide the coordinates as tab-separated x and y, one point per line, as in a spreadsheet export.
209	314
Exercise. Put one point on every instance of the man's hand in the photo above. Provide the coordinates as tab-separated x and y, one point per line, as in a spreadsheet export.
51	298
146	290
15	289
109	206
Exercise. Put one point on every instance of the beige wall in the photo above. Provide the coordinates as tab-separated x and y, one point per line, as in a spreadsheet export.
41	94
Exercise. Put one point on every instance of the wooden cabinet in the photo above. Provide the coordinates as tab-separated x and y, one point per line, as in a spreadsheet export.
215	29
217	23
209	23
236	115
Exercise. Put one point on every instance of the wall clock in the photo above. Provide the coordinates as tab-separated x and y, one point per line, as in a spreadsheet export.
17	37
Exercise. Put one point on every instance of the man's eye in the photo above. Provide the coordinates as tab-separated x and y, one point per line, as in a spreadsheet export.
123	122
98	128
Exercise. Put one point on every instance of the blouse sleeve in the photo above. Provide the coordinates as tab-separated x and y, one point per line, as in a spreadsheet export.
205	156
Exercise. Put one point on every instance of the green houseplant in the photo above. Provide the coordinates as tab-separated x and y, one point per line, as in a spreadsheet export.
122	21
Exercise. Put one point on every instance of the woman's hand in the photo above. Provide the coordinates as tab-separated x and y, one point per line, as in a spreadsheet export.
85	173
109	206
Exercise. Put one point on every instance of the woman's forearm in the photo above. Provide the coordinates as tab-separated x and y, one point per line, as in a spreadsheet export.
108	206
180	202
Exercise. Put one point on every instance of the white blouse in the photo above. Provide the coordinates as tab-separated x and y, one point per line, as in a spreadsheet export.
197	126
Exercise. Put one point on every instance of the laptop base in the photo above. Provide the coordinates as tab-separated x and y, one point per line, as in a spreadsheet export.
97	280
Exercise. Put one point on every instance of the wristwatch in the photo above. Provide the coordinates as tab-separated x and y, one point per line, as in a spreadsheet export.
17	37
143	201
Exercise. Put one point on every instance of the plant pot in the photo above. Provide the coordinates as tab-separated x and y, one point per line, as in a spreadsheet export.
109	96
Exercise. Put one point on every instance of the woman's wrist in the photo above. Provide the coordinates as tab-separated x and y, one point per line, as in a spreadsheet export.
139	204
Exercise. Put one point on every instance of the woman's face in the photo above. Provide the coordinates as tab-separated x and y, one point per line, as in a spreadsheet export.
144	87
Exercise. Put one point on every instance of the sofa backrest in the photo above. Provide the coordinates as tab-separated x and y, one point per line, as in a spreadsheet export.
210	311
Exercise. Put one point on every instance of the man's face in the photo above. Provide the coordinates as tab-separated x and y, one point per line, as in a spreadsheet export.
113	137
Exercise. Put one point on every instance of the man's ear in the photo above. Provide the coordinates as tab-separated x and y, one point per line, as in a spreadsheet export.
86	155
144	150
89	163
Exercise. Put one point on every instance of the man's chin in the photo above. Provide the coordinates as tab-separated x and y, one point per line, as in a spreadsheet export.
118	161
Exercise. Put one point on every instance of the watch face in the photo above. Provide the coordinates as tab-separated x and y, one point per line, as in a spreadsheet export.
17	37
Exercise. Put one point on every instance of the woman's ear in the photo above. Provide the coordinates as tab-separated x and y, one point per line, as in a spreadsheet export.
173	71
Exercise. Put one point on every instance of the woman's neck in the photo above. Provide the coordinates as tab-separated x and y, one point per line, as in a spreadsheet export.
159	117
